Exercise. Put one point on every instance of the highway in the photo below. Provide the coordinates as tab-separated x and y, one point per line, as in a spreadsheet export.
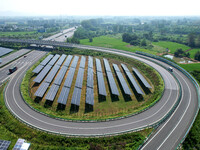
168	135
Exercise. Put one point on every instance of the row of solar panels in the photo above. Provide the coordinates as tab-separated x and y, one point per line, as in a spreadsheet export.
79	80
4	51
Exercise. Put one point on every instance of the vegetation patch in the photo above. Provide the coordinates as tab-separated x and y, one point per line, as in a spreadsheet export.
101	110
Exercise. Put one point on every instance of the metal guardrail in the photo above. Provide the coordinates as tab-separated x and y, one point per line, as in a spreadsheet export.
189	76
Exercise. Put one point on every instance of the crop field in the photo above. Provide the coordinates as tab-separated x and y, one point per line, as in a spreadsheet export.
172	46
115	42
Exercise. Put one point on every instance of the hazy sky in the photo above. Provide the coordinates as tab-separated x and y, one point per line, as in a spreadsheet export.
102	7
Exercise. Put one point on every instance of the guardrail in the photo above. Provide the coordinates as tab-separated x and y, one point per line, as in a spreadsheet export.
185	73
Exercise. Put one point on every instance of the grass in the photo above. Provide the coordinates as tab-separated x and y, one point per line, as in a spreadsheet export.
110	41
172	46
16	33
101	110
191	67
193	52
11	129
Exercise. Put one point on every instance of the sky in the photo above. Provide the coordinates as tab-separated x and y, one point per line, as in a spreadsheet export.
100	7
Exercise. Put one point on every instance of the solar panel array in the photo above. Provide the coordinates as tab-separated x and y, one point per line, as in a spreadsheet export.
4	144
122	80
38	69
68	61
42	74
60	75
140	76
54	59
46	60
132	80
111	81
76	96
4	51
52	74
74	62
100	79
61	60
52	92
69	79
64	95
82	63
90	82
42	89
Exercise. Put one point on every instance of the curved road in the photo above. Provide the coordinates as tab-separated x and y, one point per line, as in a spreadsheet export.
167	136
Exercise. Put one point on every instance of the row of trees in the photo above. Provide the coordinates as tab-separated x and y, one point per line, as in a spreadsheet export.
180	53
133	39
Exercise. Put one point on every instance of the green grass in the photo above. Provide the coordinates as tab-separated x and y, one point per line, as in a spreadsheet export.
172	46
193	52
191	67
115	42
11	129
16	33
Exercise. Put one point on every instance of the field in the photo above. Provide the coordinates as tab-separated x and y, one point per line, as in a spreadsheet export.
109	108
2	34
172	46
115	42
191	67
193	51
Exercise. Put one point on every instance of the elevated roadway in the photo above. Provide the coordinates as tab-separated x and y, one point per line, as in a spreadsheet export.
168	135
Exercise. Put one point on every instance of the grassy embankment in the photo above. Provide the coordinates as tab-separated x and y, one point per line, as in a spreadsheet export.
110	108
11	129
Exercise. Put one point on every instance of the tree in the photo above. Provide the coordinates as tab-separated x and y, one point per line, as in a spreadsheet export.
143	42
197	56
191	40
90	40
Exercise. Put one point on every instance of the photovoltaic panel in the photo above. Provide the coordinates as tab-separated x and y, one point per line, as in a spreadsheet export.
123	83
134	83
90	96
90	80
52	92
42	89
68	60
125	68
106	64
90	62
69	79
46	60
52	74
42	74
98	65
4	144
74	62
53	60
82	63
60	76
112	83
140	76
38	69
76	96
79	78
116	68
61	60
101	84
4	51
64	95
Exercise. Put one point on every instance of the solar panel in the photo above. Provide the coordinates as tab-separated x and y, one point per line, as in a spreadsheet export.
82	63
106	64
52	74
61	60
68	60
125	68
69	79
90	81
46	60
98	65
134	83
90	96
42	74
90	62
60	76
112	83
4	144
79	78
4	51
123	83
64	95
38	69
52	92
76	96
74	62
101	84
42	89
116	68
140	76
54	59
